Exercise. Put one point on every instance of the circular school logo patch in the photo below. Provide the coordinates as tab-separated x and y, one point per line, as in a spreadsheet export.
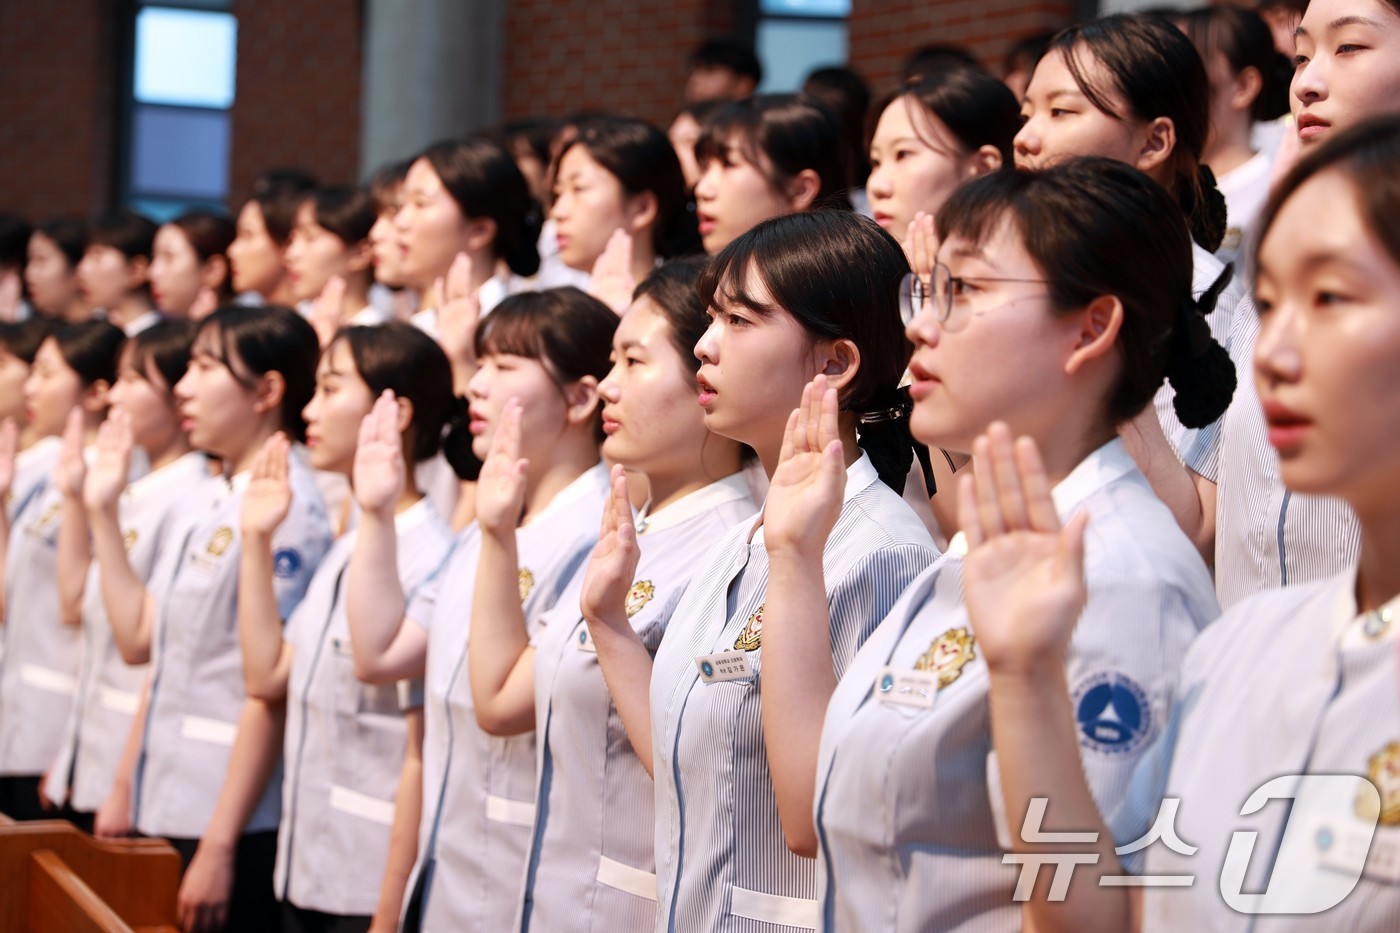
1113	713
286	563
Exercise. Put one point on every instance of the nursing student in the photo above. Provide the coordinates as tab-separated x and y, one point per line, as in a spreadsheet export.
1078	281
109	689
801	300
190	267
541	357
345	740
258	254
114	274
201	766
329	259
74	369
764	157
591	860
19	344
51	270
1291	693
390	292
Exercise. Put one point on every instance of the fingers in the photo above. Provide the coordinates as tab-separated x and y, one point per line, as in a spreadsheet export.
1010	500
800	440
439	293
1070	551
789	435
812	401
969	518
459	278
988	509
829	420
386	411
73	430
509	431
1035	485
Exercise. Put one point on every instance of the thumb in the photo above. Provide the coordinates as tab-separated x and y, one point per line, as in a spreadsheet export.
1071	545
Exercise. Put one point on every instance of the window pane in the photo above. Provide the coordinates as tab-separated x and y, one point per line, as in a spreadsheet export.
841	8
790	49
180	153
185	57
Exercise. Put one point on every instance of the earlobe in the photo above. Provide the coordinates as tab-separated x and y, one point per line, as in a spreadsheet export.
1098	333
984	161
841	363
272	388
645	210
480	234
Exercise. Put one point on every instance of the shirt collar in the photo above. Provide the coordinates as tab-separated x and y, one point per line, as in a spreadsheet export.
592	482
1352	628
730	489
859	477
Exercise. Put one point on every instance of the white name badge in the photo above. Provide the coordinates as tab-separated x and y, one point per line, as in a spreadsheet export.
906	687
584	640
725	666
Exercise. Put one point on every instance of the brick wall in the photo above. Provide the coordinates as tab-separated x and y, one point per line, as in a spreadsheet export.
884	32
298	100
58	61
563	56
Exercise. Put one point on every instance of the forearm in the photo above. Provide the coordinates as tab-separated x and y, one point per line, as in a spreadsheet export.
499	641
130	609
1037	749
1189	496
464	513
403	836
256	748
798	680
131	751
266	657
374	597
73	556
626	666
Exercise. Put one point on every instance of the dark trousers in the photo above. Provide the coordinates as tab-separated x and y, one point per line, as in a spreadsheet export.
300	920
252	905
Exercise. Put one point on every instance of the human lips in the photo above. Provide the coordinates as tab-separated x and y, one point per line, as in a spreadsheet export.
1286	428
707	222
611	424
924	380
1310	126
707	392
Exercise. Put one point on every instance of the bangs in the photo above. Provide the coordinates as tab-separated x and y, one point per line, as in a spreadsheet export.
722	282
975	211
732	124
1072	51
516	327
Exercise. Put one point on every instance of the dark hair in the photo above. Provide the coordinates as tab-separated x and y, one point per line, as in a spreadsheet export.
399	357
793	132
726	52
931	59
671	288
14	240
978	109
1095	227
564	328
69	235
1025	53
485	182
277	193
701	110
641	158
843	92
536	135
91	348
1366	154
22	338
1157	72
123	230
1246	41
384	185
164	346
345	210
209	235
838	275
268	339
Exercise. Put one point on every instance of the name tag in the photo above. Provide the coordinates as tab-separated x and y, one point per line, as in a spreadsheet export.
1340	847
906	688
1384	862
584	640
725	666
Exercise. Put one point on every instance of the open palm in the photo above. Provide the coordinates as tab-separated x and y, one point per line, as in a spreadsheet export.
268	498
70	470
107	477
379	473
613	565
500	489
804	496
612	281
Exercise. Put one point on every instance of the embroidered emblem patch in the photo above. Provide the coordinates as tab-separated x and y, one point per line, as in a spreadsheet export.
1383	768
751	638
129	539
1112	712
286	563
947	656
219	542
527	583
638	596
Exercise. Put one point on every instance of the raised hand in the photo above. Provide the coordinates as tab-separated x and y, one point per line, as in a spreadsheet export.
70	471
613	565
1023	577
613	282
921	245
500	489
269	496
458	311
379	473
326	311
107	477
804	496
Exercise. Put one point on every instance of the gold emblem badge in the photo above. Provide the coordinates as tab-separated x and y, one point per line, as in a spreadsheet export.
527	583
638	596
219	541
947	656
46	518
1383	768
751	638
129	539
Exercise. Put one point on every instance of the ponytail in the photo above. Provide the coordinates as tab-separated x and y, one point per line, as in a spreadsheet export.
1204	207
883	434
1201	373
457	442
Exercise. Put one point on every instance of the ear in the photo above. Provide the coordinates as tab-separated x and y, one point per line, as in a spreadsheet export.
802	190
581	396
270	389
984	161
839	361
1158	144
1098	332
479	235
744	86
360	257
1248	85
404	418
94	398
138	272
642	211
214	272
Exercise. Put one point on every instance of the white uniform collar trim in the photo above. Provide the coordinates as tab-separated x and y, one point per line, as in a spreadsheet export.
157	479
1352	628
732	488
412	517
860	475
592	481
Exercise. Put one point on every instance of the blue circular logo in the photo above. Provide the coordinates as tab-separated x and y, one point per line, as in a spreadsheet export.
887	683
286	563
1113	713
583	636
707	669
1324	839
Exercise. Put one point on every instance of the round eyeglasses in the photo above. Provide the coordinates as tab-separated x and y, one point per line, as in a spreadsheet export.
944	292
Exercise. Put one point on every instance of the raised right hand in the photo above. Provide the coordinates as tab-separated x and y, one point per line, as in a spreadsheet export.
70	471
613	565
379	472
107	477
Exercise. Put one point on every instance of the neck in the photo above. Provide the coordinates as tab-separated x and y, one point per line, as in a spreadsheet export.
75	312
128	309
282	294
175	448
1378	571
643	255
1228	150
409	497
1062	451
566	463
668	490
771	452
242	459
356	297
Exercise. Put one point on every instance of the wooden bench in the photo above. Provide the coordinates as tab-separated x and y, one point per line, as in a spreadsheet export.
55	877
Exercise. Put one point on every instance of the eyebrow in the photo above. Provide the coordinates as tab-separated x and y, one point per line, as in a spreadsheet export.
1339	23
629	344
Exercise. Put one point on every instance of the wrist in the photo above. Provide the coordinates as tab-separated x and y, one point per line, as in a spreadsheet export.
217	845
